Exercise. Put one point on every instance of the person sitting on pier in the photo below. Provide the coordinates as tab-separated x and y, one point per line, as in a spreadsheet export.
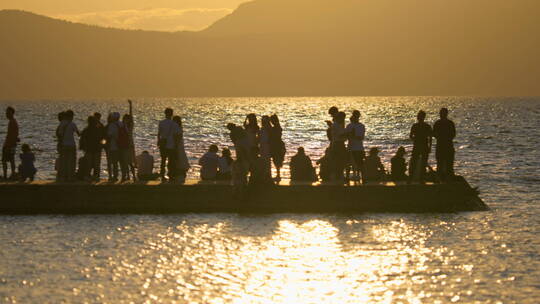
225	165
27	170
145	167
399	166
209	163
259	171
374	169
10	143
240	170
421	135
302	168
325	173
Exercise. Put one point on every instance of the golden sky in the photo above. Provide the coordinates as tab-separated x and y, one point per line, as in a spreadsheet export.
162	15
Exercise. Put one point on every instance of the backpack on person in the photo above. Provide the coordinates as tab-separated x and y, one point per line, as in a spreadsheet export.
123	137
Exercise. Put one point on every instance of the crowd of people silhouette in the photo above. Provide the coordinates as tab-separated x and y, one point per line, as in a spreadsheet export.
256	149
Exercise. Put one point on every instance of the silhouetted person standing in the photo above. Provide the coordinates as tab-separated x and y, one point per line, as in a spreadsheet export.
103	135
167	134
264	141
356	132
90	143
444	131
10	143
338	152
277	146
421	135
259	174
241	143
182	162
333	112
68	147
129	122
252	131
117	145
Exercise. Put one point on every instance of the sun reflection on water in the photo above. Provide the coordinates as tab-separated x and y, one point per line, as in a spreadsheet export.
296	262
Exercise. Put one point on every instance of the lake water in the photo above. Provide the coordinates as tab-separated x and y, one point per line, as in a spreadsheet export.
485	257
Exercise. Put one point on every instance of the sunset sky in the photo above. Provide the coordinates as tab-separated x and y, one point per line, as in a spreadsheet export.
163	15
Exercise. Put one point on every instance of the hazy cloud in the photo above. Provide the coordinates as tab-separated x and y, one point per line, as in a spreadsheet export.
158	19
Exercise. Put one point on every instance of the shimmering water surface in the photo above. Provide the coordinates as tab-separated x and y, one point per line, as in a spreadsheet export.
486	257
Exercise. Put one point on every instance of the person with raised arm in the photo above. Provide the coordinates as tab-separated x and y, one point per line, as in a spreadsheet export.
421	135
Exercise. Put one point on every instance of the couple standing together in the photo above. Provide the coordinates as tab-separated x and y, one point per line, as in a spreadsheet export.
171	148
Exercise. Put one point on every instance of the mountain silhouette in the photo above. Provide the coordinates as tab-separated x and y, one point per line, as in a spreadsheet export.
285	48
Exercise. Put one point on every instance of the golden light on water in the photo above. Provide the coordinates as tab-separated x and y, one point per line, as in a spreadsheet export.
292	262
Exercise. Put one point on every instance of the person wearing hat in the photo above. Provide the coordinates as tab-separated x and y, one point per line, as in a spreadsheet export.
374	169
399	166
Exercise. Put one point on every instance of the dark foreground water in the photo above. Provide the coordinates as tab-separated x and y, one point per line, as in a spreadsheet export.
486	257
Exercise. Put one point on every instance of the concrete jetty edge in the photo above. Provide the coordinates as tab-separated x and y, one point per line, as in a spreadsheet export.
52	198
